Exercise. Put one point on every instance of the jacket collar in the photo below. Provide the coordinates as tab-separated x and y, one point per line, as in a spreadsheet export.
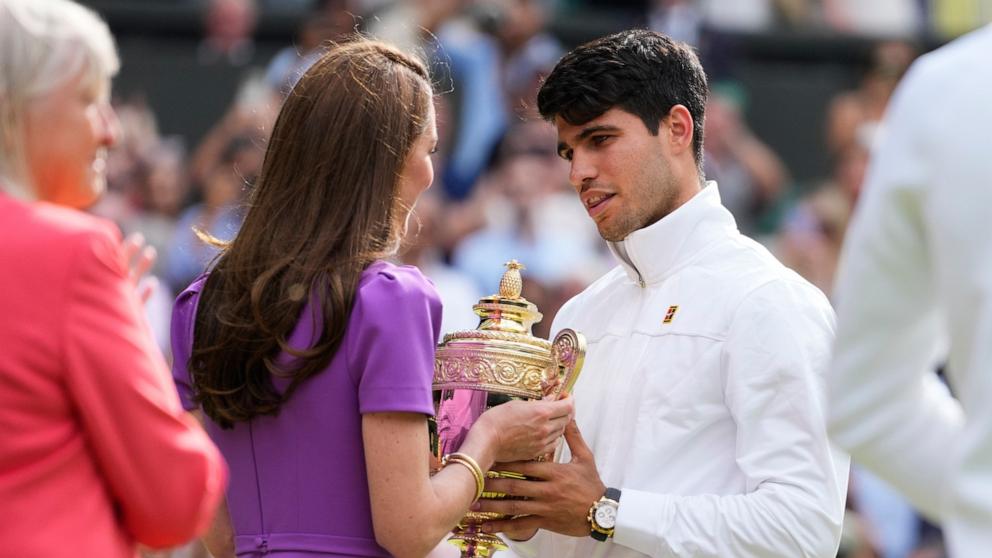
651	254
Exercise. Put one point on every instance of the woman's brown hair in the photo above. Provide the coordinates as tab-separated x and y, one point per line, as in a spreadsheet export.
324	207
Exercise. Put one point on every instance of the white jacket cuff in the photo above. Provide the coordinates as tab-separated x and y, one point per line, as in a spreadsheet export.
641	518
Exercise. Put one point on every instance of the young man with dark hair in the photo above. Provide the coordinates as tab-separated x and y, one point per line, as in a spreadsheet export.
701	404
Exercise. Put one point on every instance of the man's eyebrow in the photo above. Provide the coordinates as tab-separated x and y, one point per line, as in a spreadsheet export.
586	132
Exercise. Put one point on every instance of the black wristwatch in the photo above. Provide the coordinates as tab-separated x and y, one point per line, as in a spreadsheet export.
603	515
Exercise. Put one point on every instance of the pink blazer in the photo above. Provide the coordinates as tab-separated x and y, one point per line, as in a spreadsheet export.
96	453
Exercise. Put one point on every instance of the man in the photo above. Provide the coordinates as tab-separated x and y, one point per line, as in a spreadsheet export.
917	268
702	394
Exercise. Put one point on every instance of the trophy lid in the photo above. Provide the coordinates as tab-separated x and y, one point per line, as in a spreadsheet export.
501	355
507	310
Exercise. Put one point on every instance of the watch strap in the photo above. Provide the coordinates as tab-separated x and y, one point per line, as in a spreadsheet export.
613	494
601	537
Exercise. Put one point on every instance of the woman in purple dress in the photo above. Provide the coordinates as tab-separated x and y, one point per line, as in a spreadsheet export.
312	357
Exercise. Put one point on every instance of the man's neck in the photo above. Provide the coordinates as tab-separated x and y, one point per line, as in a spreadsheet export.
689	187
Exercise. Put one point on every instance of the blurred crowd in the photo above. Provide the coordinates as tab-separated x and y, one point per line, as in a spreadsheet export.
501	191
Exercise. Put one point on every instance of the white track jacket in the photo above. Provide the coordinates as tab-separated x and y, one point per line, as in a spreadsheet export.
702	397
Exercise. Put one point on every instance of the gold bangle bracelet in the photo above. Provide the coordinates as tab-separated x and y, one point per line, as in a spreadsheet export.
473	466
468	458
478	488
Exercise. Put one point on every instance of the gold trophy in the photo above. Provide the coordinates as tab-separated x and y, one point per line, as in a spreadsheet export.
498	361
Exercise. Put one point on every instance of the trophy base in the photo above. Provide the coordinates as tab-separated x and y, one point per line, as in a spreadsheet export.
471	542
477	545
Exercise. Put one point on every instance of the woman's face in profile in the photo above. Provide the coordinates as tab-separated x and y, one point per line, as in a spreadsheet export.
418	170
66	136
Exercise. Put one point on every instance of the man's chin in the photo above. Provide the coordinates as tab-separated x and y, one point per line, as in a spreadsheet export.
611	234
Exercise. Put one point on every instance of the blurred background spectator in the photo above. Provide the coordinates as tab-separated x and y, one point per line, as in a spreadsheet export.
853	115
798	90
228	27
751	176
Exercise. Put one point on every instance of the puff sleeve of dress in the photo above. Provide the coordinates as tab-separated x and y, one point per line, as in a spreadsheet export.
397	320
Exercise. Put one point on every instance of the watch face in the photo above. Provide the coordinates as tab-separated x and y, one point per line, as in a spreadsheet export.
606	516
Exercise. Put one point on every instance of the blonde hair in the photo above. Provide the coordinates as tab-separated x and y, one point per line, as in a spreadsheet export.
43	44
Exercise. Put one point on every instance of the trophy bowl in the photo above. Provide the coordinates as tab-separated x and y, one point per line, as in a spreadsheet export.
499	361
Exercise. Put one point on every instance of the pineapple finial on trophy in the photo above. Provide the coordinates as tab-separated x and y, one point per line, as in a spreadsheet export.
511	284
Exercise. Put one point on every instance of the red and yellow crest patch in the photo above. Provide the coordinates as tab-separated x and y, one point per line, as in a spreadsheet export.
670	314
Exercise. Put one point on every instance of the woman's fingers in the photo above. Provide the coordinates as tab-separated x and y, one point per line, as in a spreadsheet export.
132	244
139	259
139	256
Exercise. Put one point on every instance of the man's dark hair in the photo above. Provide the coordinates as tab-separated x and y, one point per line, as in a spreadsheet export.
640	71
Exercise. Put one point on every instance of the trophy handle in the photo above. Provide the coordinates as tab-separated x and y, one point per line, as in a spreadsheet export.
569	353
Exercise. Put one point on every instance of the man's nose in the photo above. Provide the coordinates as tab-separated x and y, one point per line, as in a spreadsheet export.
582	169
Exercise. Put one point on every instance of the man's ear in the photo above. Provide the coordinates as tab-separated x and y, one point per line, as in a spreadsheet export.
680	129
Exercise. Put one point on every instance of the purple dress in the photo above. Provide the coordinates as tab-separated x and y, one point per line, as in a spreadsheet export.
298	485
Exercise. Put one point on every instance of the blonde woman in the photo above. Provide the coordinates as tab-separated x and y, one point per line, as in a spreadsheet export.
96	453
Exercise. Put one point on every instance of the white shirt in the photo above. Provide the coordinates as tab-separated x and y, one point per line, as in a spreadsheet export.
918	265
713	425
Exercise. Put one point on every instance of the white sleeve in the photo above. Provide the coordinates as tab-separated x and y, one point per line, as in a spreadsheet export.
774	361
886	405
527	549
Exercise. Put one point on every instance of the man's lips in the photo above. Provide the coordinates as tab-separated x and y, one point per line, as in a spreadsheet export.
596	203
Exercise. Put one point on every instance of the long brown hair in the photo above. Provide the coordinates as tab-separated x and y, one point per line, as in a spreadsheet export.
324	208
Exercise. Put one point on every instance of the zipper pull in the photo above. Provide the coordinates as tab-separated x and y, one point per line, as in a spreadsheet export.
641	282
